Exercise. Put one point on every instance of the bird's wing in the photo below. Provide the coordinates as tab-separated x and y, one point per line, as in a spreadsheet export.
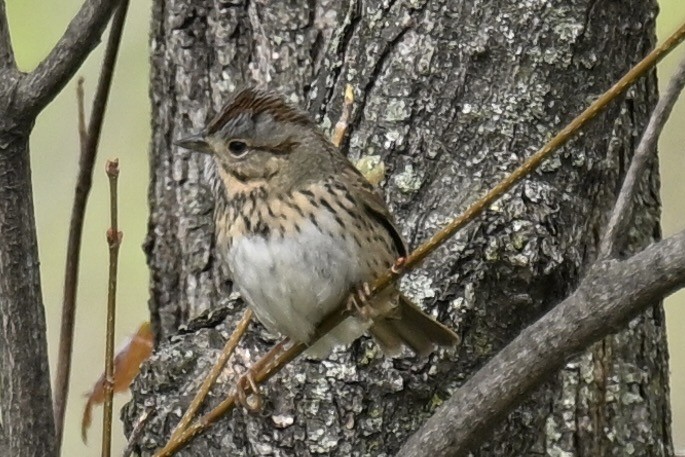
369	198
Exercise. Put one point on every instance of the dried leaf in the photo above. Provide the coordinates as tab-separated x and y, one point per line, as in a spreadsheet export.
126	367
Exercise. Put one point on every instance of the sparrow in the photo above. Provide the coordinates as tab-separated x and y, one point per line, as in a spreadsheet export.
300	229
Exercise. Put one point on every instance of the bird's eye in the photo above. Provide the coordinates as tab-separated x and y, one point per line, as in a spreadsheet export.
237	148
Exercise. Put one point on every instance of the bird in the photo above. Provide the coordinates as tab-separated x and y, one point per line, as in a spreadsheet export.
300	229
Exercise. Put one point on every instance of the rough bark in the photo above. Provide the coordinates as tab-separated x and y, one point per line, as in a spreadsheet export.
26	425
450	95
26	422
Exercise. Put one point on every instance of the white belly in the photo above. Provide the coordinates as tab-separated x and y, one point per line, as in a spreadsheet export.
293	282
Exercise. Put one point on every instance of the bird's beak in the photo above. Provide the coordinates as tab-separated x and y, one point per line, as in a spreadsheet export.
196	143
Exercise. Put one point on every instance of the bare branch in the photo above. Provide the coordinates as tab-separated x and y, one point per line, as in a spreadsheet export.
40	86
621	215
341	127
89	144
611	294
114	242
105	82
214	373
82	129
66	337
6	52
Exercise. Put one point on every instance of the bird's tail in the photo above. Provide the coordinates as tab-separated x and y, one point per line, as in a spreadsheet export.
407	325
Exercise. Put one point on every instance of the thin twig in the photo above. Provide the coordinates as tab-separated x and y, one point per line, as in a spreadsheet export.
207	384
40	86
286	351
89	141
7	61
66	337
105	81
82	130
608	296
138	428
530	165
113	241
621	215
265	368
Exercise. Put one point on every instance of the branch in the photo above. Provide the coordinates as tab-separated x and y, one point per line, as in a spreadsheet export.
40	86
105	81
89	140
6	52
621	215
611	294
214	374
113	241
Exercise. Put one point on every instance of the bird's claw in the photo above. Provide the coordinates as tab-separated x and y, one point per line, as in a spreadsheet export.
254	402
359	303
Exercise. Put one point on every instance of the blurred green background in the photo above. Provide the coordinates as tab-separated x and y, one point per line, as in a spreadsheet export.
35	27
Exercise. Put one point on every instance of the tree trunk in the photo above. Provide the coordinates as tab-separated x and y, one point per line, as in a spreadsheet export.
450	96
26	422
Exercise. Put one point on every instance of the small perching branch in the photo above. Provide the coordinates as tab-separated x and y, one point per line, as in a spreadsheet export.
285	351
214	373
621	215
6	51
533	162
113	241
612	293
40	86
89	139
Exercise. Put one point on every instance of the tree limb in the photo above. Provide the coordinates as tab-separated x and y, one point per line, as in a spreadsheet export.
6	51
40	86
621	215
611	294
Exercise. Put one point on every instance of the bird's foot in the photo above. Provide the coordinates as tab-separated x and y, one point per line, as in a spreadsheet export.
359	303
253	402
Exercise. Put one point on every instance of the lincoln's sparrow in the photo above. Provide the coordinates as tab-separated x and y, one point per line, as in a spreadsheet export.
300	228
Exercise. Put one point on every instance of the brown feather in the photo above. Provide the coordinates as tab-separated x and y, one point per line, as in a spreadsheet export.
412	327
